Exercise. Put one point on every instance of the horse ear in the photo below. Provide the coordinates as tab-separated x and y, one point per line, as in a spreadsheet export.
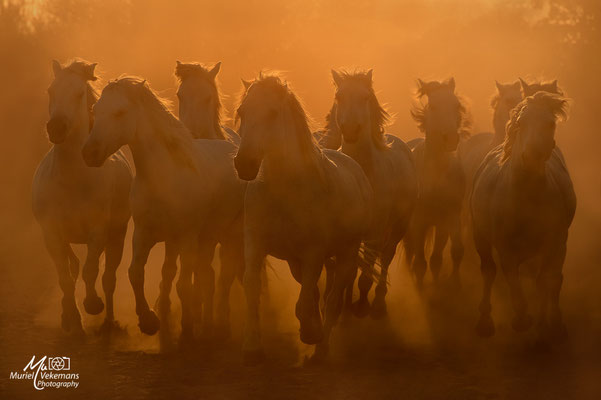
178	63
246	83
524	85
369	75
451	84
56	67
499	87
554	85
337	78
90	71
215	70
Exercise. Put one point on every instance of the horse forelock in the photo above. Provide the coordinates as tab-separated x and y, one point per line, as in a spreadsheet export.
541	102
81	68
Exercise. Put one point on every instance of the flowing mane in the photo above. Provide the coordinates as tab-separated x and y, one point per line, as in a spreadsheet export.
81	68
539	102
196	70
273	82
171	132
380	117
419	110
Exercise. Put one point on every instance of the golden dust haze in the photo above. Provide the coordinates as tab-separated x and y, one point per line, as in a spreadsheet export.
426	354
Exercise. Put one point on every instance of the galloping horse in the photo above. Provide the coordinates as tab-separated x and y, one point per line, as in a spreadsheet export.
185	193
200	101
441	183
76	204
388	164
303	205
522	205
200	110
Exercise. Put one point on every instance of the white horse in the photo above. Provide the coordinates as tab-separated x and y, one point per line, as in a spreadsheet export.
522	205
76	204
441	183
303	205
388	164
200	106
185	193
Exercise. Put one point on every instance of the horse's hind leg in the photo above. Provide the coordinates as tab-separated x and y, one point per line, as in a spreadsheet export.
59	252
92	303
457	249
113	253
232	257
362	307
440	241
485	326
204	286
522	320
147	319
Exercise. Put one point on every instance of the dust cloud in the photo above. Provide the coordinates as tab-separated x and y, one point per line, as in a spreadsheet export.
427	347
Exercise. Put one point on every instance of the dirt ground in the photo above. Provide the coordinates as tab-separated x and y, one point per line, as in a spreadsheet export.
425	349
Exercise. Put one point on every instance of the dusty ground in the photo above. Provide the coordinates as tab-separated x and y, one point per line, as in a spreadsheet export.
426	348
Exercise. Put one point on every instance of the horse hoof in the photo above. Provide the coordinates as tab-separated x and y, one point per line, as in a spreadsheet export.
378	310
485	327
361	308
149	323
93	305
253	357
311	333
522	323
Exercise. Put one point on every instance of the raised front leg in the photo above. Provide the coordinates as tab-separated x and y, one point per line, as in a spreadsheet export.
59	252
92	302
142	244
361	307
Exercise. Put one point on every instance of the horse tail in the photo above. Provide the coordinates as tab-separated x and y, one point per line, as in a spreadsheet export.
73	263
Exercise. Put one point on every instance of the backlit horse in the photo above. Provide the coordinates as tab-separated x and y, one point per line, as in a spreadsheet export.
522	205
77	204
302	205
185	193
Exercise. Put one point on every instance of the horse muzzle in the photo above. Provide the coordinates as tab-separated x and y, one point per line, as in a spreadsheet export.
247	169
92	154
350	132
57	129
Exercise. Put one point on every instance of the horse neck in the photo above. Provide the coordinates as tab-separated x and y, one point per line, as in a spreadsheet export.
151	157
68	153
500	118
435	156
211	129
521	176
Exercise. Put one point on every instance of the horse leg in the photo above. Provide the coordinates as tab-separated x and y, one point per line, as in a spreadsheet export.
419	257
554	263
307	310
189	258
485	326
60	253
92	303
113	253
522	320
440	241
142	244
254	260
362	307
168	272
231	254
204	286
330	267
457	249
346	263
378	307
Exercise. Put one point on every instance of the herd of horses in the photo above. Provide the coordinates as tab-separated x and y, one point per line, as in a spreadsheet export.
339	199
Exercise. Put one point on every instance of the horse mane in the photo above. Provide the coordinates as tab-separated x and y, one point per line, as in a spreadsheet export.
186	70
82	68
551	102
171	132
380	116
419	110
541	86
